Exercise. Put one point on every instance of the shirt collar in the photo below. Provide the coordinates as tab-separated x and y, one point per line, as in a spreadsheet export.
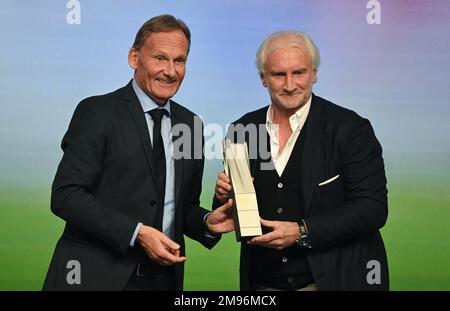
146	101
297	115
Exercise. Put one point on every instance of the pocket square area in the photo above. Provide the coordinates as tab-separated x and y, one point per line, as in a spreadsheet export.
329	180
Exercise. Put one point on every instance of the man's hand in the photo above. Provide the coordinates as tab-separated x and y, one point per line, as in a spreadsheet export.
159	247
223	187
221	219
283	234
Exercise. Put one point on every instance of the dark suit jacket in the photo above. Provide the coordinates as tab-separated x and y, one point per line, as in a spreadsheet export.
104	187
344	216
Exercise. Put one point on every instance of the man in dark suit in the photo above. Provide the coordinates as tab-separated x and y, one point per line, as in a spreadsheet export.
320	185
126	189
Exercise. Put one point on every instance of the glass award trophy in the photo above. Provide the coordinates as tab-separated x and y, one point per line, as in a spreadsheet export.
245	206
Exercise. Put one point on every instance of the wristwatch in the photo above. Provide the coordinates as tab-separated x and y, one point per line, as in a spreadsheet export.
303	239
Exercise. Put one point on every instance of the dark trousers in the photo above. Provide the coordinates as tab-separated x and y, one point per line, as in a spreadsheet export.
144	278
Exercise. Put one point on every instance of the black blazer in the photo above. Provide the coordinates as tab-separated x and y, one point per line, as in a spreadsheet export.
104	187
344	216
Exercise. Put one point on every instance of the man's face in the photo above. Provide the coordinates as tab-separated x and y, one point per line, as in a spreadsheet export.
289	75
160	64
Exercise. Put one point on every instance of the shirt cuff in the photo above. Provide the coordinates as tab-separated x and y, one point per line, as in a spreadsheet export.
133	238
208	234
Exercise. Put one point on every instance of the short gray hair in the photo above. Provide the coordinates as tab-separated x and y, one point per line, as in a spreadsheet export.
160	23
290	39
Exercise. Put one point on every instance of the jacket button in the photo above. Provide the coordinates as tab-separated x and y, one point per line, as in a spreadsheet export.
284	259
280	185
279	210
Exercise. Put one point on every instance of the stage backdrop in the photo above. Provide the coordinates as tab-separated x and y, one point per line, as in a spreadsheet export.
387	60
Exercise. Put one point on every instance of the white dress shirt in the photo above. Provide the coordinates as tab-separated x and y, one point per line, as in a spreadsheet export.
297	120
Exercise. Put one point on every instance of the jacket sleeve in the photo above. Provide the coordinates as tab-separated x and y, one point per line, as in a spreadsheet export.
362	185
85	145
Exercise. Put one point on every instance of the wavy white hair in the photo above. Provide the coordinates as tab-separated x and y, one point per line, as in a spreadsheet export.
286	39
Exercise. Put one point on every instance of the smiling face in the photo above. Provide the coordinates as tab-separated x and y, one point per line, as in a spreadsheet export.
289	75
160	64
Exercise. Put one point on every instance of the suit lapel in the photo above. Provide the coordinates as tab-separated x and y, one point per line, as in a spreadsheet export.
134	107
313	151
178	163
263	137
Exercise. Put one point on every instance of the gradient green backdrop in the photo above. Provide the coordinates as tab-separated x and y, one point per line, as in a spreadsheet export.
416	237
